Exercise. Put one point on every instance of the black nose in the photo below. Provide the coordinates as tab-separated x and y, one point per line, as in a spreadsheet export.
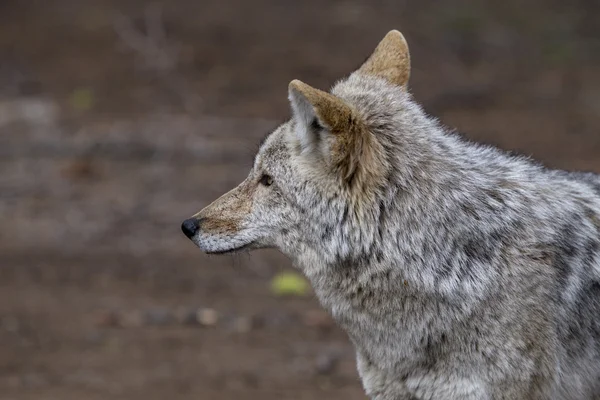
190	227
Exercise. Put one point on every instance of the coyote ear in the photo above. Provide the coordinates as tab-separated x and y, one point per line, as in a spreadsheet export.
326	127
390	60
314	106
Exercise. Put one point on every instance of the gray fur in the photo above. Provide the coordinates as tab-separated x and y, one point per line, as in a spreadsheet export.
462	273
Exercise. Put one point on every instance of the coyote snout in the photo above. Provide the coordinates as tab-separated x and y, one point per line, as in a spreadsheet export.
198	230
233	222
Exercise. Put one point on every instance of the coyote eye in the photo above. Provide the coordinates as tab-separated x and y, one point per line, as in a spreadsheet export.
266	180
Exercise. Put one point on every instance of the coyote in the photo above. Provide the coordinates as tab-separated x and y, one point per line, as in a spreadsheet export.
458	271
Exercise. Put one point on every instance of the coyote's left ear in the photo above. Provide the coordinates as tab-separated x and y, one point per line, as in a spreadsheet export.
390	60
328	128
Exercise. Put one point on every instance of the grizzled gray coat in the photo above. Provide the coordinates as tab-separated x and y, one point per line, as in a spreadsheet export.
457	270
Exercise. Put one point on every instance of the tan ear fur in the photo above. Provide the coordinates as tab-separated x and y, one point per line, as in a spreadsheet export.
353	147
390	60
331	110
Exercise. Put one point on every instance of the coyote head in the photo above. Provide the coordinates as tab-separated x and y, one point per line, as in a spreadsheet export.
319	178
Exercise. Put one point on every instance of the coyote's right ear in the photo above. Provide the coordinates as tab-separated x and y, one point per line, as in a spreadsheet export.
390	60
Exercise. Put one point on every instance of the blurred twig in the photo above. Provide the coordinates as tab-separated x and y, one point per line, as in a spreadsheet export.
156	53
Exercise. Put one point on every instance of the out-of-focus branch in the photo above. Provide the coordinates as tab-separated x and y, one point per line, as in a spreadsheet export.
156	53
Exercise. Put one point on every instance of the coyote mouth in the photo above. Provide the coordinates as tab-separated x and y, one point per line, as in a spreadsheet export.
232	250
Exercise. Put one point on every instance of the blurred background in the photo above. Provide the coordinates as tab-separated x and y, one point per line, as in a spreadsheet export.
121	118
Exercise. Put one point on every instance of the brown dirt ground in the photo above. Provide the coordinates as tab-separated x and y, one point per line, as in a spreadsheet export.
103	151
